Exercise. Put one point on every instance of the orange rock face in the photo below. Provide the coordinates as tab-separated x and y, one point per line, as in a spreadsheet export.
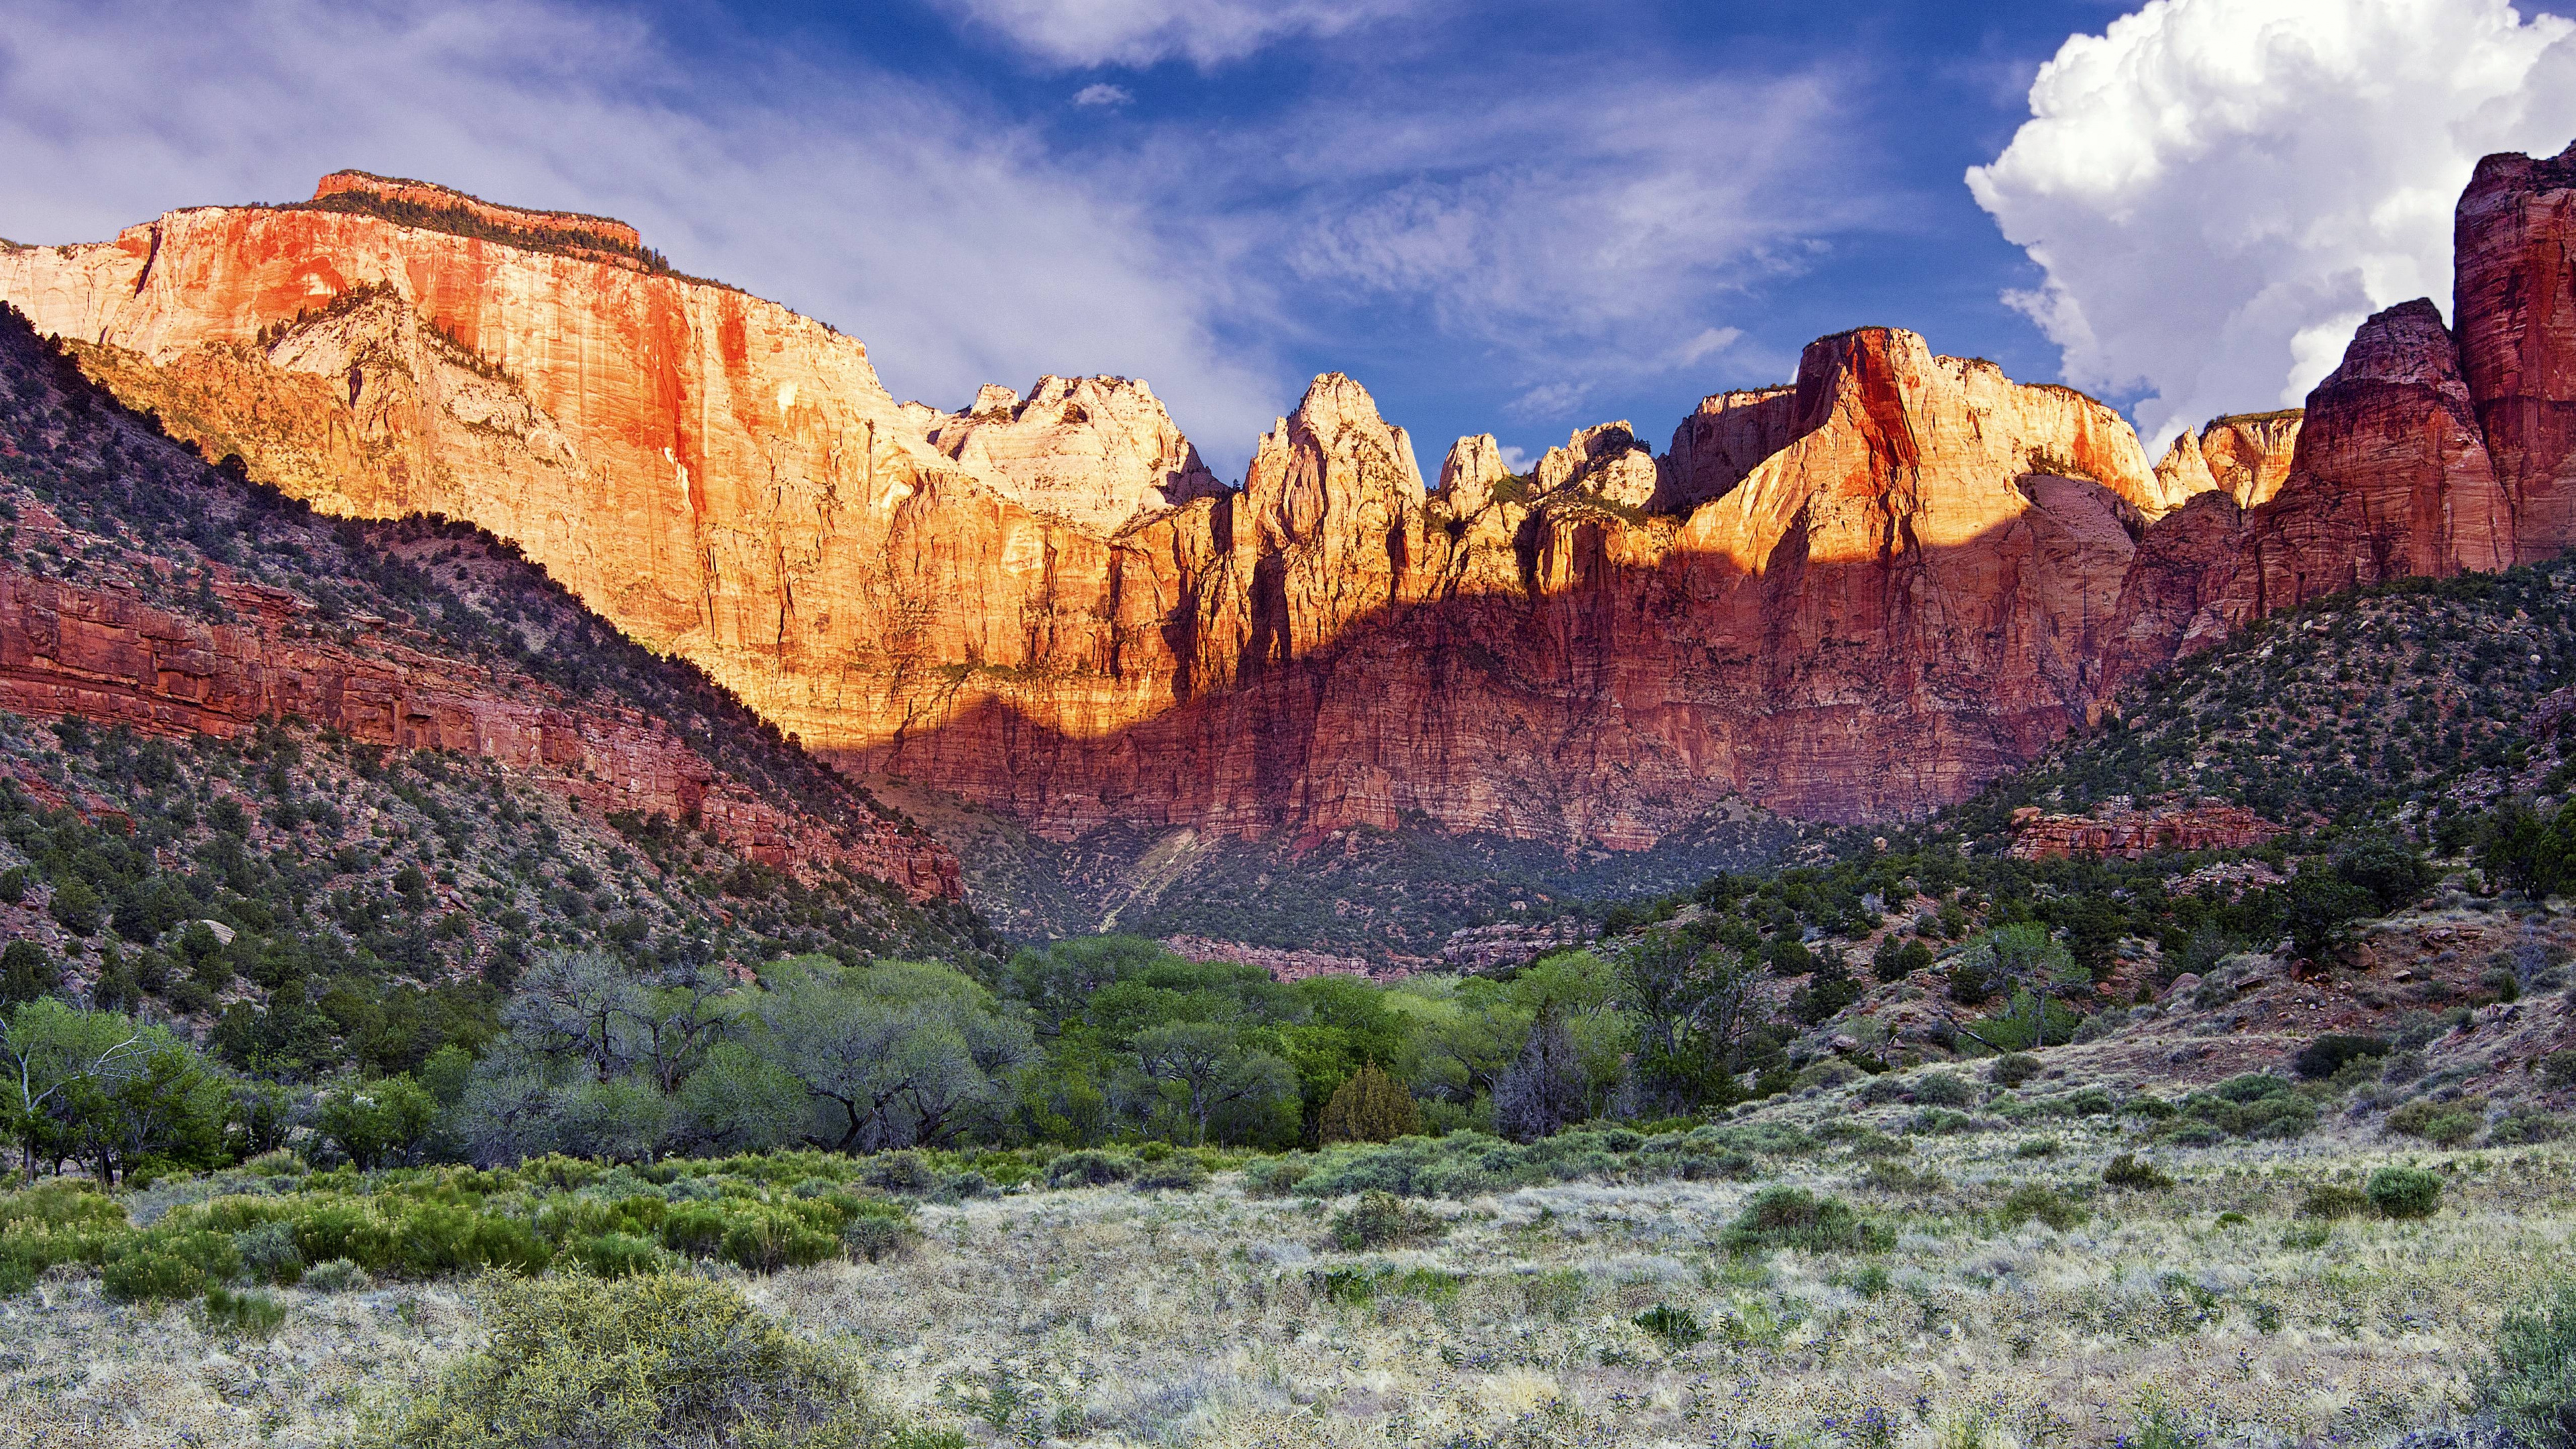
1859	595
2247	457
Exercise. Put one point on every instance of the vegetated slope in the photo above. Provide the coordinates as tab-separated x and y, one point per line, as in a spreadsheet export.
2415	703
2401	745
382	763
1392	897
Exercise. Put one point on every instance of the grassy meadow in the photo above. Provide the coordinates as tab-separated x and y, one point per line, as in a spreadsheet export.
1978	1285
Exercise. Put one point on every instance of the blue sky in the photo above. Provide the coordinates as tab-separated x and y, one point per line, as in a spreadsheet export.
1516	218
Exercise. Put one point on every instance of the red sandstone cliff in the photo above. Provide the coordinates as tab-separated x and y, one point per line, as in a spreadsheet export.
1860	594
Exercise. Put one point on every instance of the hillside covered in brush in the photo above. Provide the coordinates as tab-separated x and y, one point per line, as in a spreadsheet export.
323	788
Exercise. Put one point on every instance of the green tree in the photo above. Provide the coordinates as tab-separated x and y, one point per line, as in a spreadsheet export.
27	971
57	1059
76	907
894	1054
382	1123
1207	1069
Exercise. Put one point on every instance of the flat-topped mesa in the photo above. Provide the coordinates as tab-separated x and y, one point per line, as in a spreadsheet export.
2245	456
441	208
1097	452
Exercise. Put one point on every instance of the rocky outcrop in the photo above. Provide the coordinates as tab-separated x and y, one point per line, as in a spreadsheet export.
2120	830
1095	452
1858	595
2246	456
1282	964
2391	480
2514	303
1721	441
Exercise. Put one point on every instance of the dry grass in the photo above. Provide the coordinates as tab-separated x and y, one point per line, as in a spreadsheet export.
1107	1316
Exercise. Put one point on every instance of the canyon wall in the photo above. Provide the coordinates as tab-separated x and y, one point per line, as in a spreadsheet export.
1858	595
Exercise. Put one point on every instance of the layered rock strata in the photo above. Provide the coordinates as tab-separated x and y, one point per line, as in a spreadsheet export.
1861	594
2122	831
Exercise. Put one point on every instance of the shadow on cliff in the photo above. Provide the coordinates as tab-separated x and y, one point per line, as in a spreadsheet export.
1617	704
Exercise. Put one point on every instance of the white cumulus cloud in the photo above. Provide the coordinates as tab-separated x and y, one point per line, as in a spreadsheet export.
2218	191
1081	33
1103	94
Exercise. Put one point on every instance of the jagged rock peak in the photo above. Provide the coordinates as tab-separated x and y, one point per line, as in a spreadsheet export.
1721	441
1605	460
1097	452
2514	312
2246	456
2405	343
1469	473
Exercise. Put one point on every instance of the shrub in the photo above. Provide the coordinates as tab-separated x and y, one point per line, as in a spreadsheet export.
1372	1106
2131	1171
1380	1219
1942	1089
1879	1091
2330	1054
168	1266
1902	1177
268	1253
1679	1328
2038	1147
2404	1192
339	1275
2445	1124
765	1239
664	1359
2013	1068
1276	1176
2558	1069
253	1314
2524	1129
1556	1293
2532	1386
2331	1201
1894	961
618	1255
1792	1217
2256	1104
879	1231
1176	1174
903	1172
1089	1168
2032	1200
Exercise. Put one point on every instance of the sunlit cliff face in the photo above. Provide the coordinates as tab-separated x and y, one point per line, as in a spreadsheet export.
1859	595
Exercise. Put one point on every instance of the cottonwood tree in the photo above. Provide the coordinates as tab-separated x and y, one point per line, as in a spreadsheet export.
1210	1068
57	1059
892	1055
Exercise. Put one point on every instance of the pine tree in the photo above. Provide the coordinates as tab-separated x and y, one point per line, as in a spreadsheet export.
1371	1106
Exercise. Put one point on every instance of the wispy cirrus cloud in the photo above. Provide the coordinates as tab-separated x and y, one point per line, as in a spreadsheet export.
914	218
1086	33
